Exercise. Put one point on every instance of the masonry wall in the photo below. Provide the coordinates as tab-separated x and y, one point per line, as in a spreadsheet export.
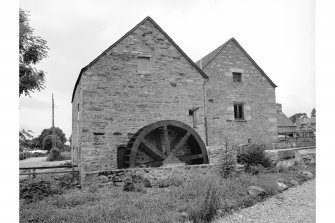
257	94
76	124
185	172
118	100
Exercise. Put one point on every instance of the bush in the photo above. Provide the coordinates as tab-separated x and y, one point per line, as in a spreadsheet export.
55	155
135	182
48	141
24	155
254	156
169	181
38	188
228	161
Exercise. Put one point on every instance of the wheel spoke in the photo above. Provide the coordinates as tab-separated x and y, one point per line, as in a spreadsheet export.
182	143
166	139
152	150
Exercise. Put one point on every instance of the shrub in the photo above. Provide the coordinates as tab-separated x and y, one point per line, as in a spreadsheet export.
38	188
136	182
169	181
208	208
228	161
24	155
254	156
47	143
55	155
257	169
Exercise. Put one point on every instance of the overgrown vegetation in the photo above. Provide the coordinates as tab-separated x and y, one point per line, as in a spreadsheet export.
27	154
55	155
169	181
254	159
200	199
228	160
135	182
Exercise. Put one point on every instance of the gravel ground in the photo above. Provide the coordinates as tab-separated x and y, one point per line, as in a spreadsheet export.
295	205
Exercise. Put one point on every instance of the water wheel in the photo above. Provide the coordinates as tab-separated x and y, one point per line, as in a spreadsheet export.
164	142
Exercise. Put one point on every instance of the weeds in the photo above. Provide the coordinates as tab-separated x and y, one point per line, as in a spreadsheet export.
202	198
228	160
169	181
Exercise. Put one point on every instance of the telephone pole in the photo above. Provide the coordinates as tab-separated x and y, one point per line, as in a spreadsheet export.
53	123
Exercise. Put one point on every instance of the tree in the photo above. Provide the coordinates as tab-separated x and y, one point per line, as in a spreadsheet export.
313	113
297	116
48	132
48	141
24	139
32	49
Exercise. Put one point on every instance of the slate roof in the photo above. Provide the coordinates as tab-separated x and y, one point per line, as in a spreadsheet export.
284	121
128	33
209	57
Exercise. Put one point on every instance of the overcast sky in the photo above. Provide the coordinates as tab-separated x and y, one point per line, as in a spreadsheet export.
278	34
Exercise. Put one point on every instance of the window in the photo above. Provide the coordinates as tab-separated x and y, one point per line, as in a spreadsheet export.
237	77
143	64
193	112
238	111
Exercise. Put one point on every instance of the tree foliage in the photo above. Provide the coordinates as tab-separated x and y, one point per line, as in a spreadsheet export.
313	113
24	138
60	136
32	49
297	116
47	143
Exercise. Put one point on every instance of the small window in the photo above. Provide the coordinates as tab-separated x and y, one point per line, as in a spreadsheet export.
238	111
143	64
237	77
193	113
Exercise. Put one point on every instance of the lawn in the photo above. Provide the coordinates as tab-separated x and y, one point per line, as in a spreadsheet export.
199	199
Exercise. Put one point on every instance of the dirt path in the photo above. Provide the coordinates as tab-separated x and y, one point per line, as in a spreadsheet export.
292	206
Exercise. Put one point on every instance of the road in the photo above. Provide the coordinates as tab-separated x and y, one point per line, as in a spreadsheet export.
295	205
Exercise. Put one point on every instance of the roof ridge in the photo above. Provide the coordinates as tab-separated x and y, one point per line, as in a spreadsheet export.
245	52
124	36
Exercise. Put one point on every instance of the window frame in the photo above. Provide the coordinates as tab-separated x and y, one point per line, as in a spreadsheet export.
144	58
237	77
239	111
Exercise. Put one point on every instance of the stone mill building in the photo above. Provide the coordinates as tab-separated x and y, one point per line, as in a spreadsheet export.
145	77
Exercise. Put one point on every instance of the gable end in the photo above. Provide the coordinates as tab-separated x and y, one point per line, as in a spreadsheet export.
202	73
209	57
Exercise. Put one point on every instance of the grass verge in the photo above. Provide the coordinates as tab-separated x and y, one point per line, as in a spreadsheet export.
200	200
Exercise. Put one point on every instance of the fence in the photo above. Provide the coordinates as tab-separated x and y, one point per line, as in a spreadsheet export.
32	170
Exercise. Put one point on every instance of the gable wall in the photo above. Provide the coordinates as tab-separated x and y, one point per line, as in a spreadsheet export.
254	90
118	100
76	124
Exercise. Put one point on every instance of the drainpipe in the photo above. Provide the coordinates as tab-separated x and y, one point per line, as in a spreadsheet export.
205	110
205	105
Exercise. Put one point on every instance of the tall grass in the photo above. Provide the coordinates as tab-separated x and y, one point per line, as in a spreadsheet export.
202	198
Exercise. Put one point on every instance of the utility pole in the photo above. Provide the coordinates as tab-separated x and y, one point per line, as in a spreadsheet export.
53	124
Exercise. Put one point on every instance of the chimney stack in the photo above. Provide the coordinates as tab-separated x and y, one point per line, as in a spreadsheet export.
279	107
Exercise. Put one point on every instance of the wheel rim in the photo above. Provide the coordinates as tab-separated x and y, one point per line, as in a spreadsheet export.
166	142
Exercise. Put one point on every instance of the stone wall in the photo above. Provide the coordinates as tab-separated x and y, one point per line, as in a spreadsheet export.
117	99
153	174
255	91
